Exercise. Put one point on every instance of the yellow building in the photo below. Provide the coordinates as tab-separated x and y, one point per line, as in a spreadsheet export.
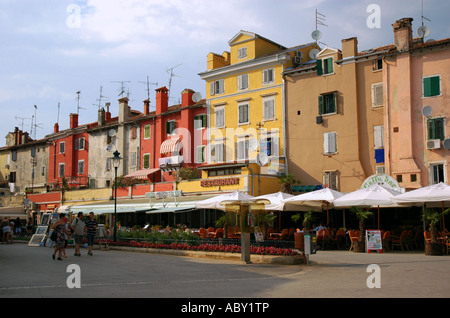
245	94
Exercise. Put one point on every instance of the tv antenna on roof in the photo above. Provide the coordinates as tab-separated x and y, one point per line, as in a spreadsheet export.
100	98
34	123
122	87
22	119
316	34
171	75
148	87
423	31
78	103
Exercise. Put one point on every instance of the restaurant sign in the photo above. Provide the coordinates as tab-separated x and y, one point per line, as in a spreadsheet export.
219	182
381	179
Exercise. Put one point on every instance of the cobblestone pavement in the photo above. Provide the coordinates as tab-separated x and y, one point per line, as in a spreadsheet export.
30	272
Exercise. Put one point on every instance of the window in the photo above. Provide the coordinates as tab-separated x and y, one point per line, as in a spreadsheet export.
330	180
81	167
62	147
378	136
242	82
431	86
243	113
327	103
377	94
437	173
242	147
325	66
329	143
268	76
82	143
378	64
217	87
133	133
242	53
147	131
33	152
270	145
200	154
61	173
14	155
219	117
219	152
108	163
200	121
269	108
436	128
170	127
146	161
133	159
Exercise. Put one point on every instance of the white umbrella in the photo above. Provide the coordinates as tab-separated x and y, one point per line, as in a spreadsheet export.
439	192
218	202
275	199
313	200
376	195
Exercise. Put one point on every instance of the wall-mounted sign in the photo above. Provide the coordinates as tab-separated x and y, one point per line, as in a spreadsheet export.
381	179
219	182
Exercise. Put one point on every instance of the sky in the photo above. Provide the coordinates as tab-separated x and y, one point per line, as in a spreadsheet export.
52	49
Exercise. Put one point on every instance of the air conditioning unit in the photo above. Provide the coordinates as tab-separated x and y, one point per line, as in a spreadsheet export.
319	120
434	144
296	60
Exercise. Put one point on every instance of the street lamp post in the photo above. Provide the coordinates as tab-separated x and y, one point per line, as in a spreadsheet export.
116	163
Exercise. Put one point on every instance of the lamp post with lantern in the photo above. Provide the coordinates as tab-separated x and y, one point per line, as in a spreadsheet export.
116	162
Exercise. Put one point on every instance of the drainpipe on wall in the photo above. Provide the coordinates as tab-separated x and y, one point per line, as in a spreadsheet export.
253	179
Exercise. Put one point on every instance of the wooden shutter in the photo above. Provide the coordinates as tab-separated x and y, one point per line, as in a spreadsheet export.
212	88
329	62
378	134
321	105
431	86
319	67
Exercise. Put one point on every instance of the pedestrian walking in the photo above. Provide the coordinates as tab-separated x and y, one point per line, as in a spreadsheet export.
91	226
7	231
79	228
61	232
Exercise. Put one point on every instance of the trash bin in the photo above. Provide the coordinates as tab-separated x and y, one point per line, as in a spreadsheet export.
299	242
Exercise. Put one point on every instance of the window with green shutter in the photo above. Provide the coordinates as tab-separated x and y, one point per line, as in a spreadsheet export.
147	131
146	164
200	121
431	86
319	67
328	65
436	128
327	103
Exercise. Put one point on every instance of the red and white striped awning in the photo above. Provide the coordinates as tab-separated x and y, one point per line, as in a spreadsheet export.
171	145
142	174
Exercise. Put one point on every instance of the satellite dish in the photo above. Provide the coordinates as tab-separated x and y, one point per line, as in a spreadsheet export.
446	144
423	31
196	97
316	35
253	144
262	159
426	111
109	148
112	133
313	54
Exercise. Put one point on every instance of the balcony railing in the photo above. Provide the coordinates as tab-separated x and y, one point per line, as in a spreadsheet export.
170	161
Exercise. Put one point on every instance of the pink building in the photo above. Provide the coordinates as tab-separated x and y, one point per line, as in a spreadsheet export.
416	78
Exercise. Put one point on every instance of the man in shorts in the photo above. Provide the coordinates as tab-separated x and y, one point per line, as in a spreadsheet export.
79	228
91	226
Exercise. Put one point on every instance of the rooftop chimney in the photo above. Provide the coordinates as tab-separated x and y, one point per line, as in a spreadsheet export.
124	109
73	121
162	100
56	128
146	107
108	113
403	34
349	47
186	97
101	116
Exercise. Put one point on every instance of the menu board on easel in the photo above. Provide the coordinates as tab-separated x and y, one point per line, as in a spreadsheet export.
374	241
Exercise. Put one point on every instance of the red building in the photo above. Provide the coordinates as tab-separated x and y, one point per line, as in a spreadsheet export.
68	155
173	137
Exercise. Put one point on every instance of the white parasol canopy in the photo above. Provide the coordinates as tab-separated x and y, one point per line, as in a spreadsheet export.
376	195
313	200
433	193
275	199
218	202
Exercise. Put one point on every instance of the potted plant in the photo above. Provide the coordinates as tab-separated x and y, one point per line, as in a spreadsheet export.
432	217
362	215
287	181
